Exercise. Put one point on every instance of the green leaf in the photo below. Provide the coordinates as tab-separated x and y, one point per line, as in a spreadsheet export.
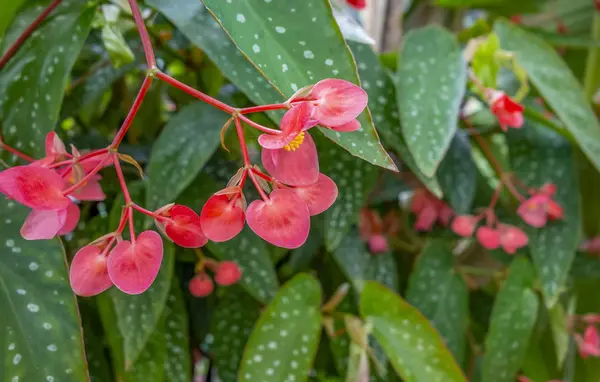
354	179
382	102
293	55
430	85
232	324
557	85
178	363
540	156
33	81
150	364
252	256
137	316
119	52
412	345
458	175
285	339
484	63
8	12
359	266
513	317
39	325
183	148
440	293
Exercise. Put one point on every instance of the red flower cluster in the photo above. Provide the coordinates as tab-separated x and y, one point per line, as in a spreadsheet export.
508	237
226	273
508	112
372	231
429	209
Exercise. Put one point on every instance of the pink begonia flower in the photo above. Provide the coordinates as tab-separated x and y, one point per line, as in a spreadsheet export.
91	190
512	238
201	285
182	225
55	148
337	102
293	124
89	273
508	112
464	225
282	220
73	215
227	273
318	196
43	224
429	209
540	207
294	166
378	244
35	187
223	215
488	237
132	267
589	344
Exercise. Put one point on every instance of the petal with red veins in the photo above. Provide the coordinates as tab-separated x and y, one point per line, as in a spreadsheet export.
337	101
294	168
293	123
88	273
73	214
283	220
132	267
43	225
318	196
184	227
35	187
222	217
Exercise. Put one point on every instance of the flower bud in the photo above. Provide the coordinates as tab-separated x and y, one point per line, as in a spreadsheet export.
228	273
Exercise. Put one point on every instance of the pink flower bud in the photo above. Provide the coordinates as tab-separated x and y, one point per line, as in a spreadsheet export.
488	237
201	285
464	225
378	244
228	273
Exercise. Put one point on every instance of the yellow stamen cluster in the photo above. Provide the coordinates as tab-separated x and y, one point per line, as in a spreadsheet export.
295	144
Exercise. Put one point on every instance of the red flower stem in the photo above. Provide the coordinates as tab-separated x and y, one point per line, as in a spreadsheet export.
126	196
495	196
139	21
26	33
132	112
195	93
243	147
262	193
242	180
261	108
82	158
16	152
262	175
87	177
147	212
258	126
511	188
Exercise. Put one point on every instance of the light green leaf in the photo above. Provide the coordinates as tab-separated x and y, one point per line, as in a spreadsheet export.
293	55
252	256
39	325
32	83
178	361
354	179
119	52
8	12
412	345
285	339
183	148
557	85
137	317
458	175
430	85
511	324
540	156
232	324
384	108
440	293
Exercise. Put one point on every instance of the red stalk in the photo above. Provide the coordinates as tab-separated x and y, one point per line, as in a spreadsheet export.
88	176
139	21
247	164
126	196
82	158
134	109
261	108
258	126
16	152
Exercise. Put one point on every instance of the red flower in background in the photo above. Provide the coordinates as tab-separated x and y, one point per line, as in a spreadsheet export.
508	112
589	344
539	208
429	209
505	236
358	4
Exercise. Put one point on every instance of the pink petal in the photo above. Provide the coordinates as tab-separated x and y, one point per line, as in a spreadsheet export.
43	225
338	102
464	225
512	238
201	285
318	196
91	191
283	220
293	123
222	217
378	244
533	210
72	219
591	336
488	237
88	273
184	227
35	187
55	148
347	127
133	267
426	218
294	168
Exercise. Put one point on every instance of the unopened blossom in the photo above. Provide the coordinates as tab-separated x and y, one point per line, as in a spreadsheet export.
508	112
224	214
540	207
464	225
429	209
201	285
88	274
591	246
488	237
512	238
182	225
378	243
589	344
227	273
371	231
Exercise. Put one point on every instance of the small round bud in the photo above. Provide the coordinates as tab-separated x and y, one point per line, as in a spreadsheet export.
201	285
464	225
378	244
228	273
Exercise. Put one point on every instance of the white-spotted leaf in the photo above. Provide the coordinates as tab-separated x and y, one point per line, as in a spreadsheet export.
430	85
285	339
440	293
178	361
458	175
511	324
412	345
40	324
252	255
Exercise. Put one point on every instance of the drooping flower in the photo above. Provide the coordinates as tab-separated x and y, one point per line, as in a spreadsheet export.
512	238
133	266
201	285
429	209
182	225
540	207
227	273
464	225
296	165
338	103
589	344
508	112
88	274
282	220
33	186
223	215
318	196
